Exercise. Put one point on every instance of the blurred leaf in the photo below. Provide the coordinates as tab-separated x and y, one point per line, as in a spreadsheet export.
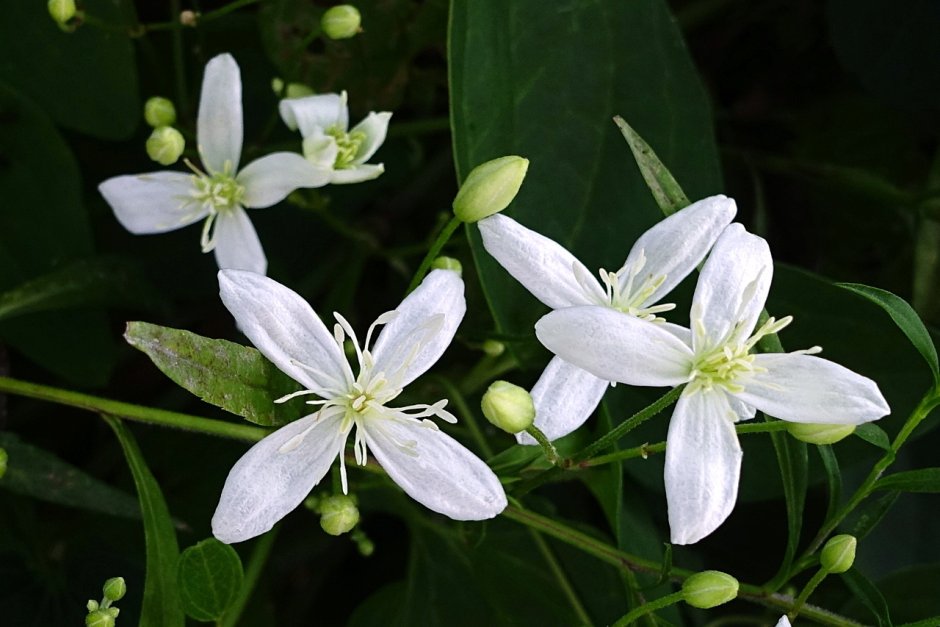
833	478
912	594
873	434
866	592
667	192
926	297
209	577
906	318
924	480
42	475
86	80
231	376
867	516
513	459
161	605
792	459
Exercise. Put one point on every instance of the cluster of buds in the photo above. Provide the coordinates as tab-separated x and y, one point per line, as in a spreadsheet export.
165	144
103	614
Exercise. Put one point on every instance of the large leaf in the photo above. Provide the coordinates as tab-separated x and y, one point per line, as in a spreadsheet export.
209	576
161	606
234	377
924	480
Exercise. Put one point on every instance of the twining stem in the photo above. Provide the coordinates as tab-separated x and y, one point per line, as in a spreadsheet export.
256	562
646	608
435	249
128	411
583	618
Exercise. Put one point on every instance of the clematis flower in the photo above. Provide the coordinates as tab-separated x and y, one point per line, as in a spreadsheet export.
726	382
323	121
278	472
165	201
565	395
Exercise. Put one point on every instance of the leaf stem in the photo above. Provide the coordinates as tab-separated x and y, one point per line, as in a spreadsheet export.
436	247
256	562
545	443
646	608
561	577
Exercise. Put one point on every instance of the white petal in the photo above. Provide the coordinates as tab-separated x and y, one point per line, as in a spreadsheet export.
542	265
374	127
315	112
783	622
804	388
153	203
564	396
435	470
320	149
616	346
270	179
423	328
732	288
674	246
236	243
357	174
703	464
742	410
275	476
284	328
219	125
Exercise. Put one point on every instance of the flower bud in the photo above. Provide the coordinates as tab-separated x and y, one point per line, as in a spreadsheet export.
494	348
447	263
838	554
709	588
819	434
159	111
99	618
508	407
489	188
338	514
3	462
114	589
61	10
365	545
292	90
189	18
165	145
341	22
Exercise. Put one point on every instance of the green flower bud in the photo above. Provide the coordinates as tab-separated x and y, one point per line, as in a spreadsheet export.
490	187
3	462
114	589
312	503
61	10
494	348
341	22
189	18
338	514
838	554
159	111
819	434
99	618
508	407
92	605
165	145
293	90
447	263
709	588
363	543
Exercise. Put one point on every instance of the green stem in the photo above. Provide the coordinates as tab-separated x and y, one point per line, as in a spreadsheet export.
646	608
545	443
811	585
469	417
436	247
222	11
560	576
259	557
179	65
128	411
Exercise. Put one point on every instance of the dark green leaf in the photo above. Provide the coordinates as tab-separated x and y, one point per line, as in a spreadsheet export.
209	577
833	478
792	458
912	595
870	513
234	377
924	480
873	434
161	604
906	318
866	592
667	192
42	475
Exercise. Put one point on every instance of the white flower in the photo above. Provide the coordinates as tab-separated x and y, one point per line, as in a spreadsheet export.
783	622
278	472
726	381
165	201
323	122
565	395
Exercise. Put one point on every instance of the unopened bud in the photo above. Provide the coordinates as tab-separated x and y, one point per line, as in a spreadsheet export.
838	554
159	111
508	407
489	188
114	589
338	514
341	22
99	618
189	18
494	348
292	90
365	545
819	434
447	263
3	462
165	145
709	588
61	10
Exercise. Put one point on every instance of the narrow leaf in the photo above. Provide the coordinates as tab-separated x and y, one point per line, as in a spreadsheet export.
667	192
833	478
907	320
870	514
161	604
231	376
873	434
792	458
209	576
866	592
925	480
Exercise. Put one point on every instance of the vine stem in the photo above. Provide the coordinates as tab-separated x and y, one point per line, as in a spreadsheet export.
436	247
646	608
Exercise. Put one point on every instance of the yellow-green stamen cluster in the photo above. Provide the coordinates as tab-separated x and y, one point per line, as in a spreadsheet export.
630	295
347	145
216	193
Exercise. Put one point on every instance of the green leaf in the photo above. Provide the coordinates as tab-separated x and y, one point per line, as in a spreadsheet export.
42	475
792	458
833	479
866	592
234	377
907	320
870	513
161	604
209	577
873	434
667	192
924	480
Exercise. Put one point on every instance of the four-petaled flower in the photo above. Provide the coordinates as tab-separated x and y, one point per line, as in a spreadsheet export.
565	395
323	121
164	201
277	473
724	380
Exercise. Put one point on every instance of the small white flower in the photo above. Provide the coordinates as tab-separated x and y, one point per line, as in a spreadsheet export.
783	622
165	201
323	122
565	395
726	381
278	472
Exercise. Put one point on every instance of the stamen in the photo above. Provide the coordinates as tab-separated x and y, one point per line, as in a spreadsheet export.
288	397
207	240
382	320
352	336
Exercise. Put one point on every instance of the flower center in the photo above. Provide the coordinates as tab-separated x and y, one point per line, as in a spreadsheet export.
628	291
217	193
347	145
